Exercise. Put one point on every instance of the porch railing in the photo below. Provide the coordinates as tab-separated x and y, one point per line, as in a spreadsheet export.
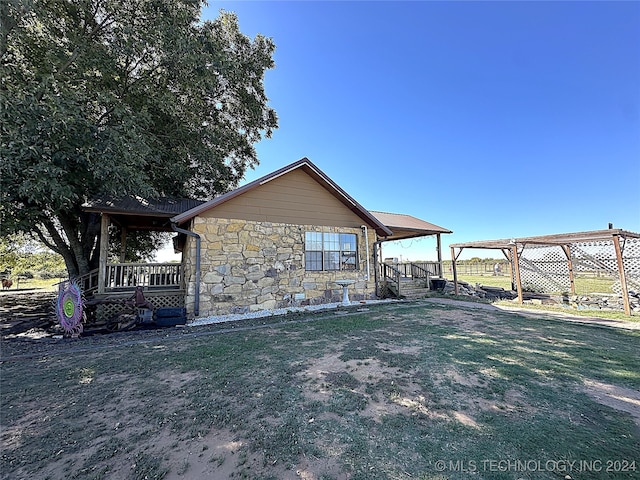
88	282
394	273
392	276
418	269
419	272
127	275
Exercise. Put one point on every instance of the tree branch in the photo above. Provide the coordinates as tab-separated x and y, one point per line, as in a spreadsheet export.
107	21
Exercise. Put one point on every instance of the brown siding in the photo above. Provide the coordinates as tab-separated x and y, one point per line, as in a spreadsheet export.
293	198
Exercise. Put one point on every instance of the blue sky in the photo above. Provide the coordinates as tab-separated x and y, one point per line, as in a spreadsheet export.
492	119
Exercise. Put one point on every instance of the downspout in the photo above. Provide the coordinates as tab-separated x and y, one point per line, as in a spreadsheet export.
366	242
196	301
376	267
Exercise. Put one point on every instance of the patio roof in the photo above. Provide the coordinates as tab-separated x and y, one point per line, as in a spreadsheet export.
405	226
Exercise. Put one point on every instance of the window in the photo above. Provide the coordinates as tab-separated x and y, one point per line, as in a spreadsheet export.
330	251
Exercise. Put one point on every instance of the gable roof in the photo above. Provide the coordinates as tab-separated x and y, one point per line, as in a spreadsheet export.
310	169
406	226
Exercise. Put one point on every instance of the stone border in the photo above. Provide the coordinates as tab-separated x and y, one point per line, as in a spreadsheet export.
281	311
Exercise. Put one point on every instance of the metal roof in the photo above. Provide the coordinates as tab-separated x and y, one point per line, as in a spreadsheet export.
135	205
391	226
400	221
556	239
138	213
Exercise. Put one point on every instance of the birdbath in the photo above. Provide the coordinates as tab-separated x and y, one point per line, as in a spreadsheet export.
345	290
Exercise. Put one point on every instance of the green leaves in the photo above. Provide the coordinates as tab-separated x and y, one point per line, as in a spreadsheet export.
124	96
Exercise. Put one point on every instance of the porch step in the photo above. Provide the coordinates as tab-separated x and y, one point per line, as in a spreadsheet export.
413	290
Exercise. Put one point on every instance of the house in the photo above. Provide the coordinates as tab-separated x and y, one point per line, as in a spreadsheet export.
282	240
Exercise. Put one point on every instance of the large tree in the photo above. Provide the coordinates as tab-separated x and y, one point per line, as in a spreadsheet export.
118	97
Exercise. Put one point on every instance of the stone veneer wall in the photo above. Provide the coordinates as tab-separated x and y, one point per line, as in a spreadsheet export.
248	266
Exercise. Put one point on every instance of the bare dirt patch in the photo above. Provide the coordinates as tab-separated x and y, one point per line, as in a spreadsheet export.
619	398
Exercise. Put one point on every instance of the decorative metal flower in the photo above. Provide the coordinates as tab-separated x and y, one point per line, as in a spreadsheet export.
69	307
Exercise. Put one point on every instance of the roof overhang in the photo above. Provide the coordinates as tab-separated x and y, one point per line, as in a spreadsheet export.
406	226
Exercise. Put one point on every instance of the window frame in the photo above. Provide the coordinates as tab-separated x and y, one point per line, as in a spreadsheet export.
330	252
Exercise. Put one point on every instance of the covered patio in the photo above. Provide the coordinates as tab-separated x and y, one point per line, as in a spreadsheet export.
163	283
406	227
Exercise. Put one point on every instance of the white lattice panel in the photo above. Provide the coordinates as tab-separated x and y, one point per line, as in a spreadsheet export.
105	312
544	269
600	257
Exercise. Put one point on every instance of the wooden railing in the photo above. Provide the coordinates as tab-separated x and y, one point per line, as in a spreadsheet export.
391	277
88	282
431	268
418	269
419	272
394	273
128	275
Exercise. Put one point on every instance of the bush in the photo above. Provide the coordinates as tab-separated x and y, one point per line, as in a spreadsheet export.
52	275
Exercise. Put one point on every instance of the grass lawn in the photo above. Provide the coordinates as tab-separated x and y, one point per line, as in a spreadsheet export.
397	391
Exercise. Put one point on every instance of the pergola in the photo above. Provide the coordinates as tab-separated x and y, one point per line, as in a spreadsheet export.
512	249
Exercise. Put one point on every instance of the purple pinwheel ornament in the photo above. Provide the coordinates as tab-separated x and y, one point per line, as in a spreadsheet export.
69	308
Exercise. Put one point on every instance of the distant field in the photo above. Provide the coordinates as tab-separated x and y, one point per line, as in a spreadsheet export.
49	284
503	281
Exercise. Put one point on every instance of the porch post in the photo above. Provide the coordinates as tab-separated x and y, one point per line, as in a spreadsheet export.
376	274
439	248
104	252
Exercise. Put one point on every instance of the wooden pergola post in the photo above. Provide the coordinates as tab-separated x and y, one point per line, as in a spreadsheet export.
623	278
516	266
104	252
453	267
567	252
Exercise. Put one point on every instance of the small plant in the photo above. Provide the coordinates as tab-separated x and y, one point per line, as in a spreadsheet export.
182	469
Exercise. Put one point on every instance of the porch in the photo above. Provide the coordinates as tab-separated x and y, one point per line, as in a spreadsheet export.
162	285
409	279
108	287
406	279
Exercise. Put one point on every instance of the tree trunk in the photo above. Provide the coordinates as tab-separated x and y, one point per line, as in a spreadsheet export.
78	248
